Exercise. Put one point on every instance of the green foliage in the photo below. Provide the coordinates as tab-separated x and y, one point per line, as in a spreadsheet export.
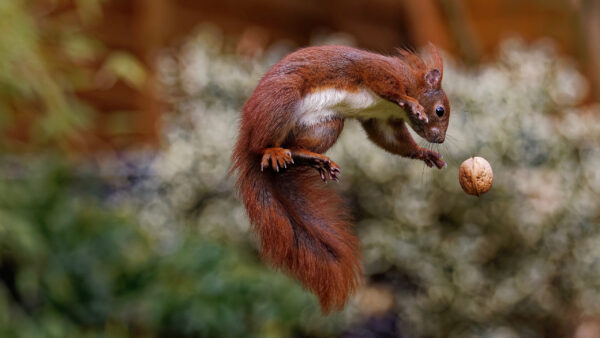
126	67
27	77
71	265
45	59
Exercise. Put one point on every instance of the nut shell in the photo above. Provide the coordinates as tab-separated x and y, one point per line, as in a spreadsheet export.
475	176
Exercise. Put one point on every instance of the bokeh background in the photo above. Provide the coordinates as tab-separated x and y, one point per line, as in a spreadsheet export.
118	219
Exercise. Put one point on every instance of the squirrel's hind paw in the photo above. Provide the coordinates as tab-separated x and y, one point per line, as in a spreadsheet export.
327	169
276	158
325	166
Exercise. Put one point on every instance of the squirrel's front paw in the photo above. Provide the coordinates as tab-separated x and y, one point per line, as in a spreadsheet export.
431	158
414	108
276	158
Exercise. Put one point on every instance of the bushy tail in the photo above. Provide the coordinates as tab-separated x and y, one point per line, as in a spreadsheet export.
303	228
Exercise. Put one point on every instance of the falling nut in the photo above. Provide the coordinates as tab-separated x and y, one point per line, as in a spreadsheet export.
475	176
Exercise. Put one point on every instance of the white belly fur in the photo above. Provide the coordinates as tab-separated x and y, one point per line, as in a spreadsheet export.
334	103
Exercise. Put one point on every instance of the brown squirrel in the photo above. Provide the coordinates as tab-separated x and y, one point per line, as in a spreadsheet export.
294	115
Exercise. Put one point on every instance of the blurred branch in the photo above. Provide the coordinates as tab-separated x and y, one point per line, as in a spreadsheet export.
458	21
425	22
589	20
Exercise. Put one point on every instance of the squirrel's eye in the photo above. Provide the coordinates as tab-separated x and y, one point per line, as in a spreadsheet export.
439	111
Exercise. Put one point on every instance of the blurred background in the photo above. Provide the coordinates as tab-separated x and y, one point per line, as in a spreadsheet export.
118	219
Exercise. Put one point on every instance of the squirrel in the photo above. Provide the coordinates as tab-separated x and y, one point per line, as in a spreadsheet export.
295	113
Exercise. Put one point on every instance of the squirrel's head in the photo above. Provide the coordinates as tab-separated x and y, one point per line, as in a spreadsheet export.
437	109
433	99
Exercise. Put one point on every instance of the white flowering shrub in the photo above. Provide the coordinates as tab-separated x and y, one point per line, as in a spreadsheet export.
522	260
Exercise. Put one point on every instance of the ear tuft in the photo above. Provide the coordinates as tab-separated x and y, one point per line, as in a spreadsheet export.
434	59
434	78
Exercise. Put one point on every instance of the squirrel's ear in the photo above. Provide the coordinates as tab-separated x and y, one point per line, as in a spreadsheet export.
435	64
434	78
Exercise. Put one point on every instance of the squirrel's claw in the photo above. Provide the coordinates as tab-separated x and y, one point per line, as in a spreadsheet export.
265	161
322	173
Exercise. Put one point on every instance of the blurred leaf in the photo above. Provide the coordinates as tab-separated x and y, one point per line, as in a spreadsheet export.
90	11
44	60
120	122
126	67
81	47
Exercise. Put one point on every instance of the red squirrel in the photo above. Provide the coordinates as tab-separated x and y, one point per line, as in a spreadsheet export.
294	115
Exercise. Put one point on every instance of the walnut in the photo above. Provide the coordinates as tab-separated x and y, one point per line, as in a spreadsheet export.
475	176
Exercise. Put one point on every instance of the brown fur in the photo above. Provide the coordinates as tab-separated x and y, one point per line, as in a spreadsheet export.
302	225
